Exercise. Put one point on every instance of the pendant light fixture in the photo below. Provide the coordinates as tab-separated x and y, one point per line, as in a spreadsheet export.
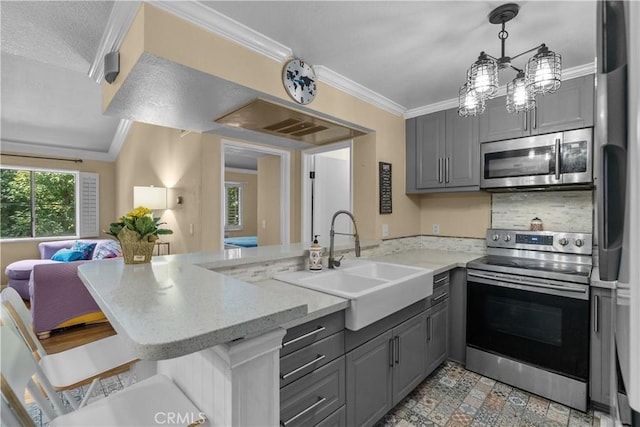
541	75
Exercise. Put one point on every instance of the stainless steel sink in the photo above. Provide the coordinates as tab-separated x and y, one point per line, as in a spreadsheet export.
375	289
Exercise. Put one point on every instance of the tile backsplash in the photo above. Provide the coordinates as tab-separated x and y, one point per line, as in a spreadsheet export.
570	211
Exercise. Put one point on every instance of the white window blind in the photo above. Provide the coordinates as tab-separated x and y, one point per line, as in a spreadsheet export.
89	204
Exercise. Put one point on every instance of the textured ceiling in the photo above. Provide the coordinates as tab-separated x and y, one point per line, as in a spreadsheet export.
414	53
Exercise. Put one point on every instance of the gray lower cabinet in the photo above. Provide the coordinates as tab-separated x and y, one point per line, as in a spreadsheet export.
437	320
314	397
384	370
602	345
458	315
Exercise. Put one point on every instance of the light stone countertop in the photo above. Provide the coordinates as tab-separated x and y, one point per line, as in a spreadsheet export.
166	309
177	305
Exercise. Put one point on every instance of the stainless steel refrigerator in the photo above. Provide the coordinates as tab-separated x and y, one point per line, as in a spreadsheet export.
617	133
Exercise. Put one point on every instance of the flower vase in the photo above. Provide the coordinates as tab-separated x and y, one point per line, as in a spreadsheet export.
137	252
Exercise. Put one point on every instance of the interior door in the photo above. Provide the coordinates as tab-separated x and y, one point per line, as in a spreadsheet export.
328	188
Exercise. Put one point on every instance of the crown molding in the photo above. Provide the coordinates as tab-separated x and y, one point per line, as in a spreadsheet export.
118	24
199	14
569	73
18	147
241	170
119	137
330	77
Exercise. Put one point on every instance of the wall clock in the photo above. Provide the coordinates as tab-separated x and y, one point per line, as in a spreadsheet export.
299	80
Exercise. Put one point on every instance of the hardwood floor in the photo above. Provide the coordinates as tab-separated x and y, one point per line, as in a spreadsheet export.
76	335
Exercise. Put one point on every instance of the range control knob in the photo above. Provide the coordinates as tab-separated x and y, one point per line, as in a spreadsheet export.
579	242
495	237
564	241
507	238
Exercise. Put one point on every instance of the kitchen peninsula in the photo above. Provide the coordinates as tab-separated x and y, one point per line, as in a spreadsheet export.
216	336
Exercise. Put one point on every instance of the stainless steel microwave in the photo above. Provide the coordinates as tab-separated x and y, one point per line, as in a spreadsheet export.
563	158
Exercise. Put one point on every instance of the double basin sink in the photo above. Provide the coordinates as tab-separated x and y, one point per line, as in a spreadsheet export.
375	289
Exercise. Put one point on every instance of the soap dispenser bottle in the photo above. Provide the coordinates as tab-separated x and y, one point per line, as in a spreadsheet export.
315	255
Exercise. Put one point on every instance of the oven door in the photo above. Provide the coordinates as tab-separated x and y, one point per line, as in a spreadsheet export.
540	323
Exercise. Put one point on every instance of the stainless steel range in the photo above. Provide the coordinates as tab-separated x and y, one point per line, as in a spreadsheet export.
528	313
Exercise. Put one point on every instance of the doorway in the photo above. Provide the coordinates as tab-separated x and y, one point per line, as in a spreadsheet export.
326	188
269	213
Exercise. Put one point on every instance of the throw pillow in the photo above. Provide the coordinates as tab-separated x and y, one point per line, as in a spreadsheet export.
107	249
85	247
67	255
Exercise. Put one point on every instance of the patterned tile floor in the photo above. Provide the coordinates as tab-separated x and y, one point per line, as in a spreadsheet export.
454	397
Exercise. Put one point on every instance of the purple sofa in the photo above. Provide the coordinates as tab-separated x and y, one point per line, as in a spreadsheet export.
57	295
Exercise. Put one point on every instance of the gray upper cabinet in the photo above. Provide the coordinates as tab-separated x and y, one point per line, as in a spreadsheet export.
601	346
442	154
571	107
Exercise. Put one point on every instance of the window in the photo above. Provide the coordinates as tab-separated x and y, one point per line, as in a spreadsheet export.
37	203
233	206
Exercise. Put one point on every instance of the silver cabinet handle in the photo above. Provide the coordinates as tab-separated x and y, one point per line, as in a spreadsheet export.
557	158
446	169
535	117
429	328
596	314
305	366
524	121
391	353
440	170
439	297
320	401
301	337
397	340
440	280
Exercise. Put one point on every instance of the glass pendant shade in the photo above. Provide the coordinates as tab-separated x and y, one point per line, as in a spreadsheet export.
482	77
543	71
469	102
518	97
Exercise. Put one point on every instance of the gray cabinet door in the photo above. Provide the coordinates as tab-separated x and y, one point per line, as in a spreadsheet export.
496	123
369	376
458	315
462	157
430	151
437	336
571	107
409	356
601	345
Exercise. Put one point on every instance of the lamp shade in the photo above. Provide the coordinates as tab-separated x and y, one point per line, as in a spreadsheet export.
150	197
482	77
543	71
518	97
469	102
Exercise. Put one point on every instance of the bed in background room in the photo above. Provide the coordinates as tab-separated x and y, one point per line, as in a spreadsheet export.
241	241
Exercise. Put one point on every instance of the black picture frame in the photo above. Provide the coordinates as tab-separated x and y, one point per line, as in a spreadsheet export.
385	195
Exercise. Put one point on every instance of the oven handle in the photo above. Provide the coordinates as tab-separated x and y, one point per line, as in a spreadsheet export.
528	283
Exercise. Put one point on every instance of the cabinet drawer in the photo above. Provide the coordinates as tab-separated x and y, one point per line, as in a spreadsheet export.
314	397
312	331
305	360
337	419
440	294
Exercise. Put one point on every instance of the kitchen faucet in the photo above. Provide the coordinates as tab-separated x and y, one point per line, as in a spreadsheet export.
336	262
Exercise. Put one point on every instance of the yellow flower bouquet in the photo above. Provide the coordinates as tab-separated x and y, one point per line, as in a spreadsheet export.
137	232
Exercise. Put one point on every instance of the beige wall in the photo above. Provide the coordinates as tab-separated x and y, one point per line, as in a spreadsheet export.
154	155
164	35
269	193
14	251
457	214
249	203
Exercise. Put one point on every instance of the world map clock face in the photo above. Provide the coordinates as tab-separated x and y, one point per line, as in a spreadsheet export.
299	81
